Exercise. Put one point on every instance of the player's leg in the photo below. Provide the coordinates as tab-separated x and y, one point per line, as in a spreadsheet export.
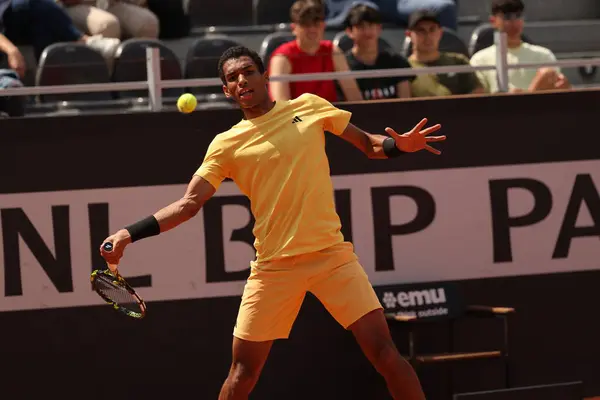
348	295
246	366
270	304
372	334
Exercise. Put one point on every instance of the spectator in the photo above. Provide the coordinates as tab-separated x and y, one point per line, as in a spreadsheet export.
363	26
13	106
309	53
425	32
41	23
507	16
120	19
396	11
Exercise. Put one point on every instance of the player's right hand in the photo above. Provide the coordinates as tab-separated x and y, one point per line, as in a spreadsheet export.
119	241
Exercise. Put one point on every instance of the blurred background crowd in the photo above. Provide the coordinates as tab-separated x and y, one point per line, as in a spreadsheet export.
58	42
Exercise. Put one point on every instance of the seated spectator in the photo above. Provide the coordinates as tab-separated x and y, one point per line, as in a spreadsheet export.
41	23
507	16
396	11
121	19
309	53
13	106
425	32
363	26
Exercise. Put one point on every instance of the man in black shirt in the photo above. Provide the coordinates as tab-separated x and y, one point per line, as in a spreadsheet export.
363	26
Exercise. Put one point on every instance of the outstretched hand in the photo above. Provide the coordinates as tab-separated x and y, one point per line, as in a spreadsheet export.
417	139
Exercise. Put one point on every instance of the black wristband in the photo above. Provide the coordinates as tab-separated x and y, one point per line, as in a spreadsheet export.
144	228
390	149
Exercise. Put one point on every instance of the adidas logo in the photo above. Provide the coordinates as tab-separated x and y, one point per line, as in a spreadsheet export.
296	119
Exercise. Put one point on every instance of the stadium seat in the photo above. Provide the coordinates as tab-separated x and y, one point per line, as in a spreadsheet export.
70	64
271	11
130	66
271	42
202	60
219	12
483	37
450	43
343	41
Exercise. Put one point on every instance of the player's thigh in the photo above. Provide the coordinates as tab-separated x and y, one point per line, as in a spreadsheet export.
346	293
270	304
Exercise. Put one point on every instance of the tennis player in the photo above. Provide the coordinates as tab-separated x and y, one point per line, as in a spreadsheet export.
276	155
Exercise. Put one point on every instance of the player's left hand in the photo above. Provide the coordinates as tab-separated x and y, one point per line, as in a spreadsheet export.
417	139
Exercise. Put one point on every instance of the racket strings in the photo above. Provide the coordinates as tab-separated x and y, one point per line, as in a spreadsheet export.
117	294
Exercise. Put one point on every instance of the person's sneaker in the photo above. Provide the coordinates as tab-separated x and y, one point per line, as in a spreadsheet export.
106	46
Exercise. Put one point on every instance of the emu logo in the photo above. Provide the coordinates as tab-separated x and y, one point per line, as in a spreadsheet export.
420	297
414	298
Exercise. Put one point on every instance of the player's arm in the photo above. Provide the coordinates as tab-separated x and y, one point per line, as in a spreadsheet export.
349	85
198	192
377	146
280	65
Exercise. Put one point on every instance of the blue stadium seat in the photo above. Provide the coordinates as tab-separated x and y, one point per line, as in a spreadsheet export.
130	66
202	60
450	43
343	41
483	37
271	42
71	64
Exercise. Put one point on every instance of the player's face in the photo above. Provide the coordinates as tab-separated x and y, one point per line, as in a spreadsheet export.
244	83
426	37
309	32
365	35
511	23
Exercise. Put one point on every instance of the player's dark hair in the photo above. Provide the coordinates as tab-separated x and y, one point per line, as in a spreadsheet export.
507	6
305	12
237	52
360	14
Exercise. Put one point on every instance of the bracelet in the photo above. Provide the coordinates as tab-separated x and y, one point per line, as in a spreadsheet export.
144	228
390	149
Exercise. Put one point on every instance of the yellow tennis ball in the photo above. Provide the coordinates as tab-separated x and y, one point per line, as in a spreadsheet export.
187	103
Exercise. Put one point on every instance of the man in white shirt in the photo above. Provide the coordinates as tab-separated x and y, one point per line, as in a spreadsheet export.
507	16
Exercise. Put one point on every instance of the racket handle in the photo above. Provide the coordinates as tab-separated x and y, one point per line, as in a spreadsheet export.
108	247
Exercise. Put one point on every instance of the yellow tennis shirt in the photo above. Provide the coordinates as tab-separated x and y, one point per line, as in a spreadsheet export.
278	160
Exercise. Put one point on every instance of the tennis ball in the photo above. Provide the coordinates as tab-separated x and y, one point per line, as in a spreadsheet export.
187	103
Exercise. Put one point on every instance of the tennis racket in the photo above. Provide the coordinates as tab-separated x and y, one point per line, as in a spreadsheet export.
114	290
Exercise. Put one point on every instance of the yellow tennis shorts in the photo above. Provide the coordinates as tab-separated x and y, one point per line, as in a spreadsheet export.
275	291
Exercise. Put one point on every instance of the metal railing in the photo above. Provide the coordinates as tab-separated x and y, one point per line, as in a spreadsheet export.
154	84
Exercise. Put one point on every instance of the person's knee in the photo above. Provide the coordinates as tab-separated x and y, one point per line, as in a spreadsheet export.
547	73
243	376
108	26
545	79
147	25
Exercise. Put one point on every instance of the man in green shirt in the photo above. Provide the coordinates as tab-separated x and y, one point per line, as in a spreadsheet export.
425	32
